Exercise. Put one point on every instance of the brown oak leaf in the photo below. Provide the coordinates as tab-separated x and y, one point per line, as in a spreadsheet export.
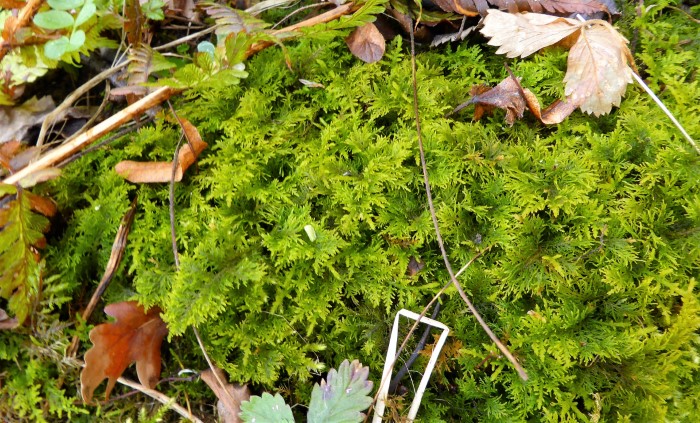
599	67
367	43
136	336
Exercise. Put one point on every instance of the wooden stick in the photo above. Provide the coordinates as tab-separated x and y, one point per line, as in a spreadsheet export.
112	265
322	18
74	96
91	135
159	396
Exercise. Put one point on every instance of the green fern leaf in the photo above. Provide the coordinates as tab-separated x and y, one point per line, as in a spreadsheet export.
21	230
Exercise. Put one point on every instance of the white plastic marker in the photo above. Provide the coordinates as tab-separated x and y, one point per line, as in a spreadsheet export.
389	364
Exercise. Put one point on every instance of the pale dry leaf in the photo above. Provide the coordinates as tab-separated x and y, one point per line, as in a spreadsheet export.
521	34
367	43
230	398
598	70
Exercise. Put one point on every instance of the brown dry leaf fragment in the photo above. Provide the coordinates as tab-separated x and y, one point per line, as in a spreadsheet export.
598	70
41	204
154	172
8	150
521	34
39	176
505	95
6	322
136	336
230	399
415	266
16	121
555	113
366	43
551	6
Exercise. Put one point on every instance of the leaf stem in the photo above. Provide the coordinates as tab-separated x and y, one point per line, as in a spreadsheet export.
436	225
663	107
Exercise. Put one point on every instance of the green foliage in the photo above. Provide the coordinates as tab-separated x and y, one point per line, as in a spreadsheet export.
267	408
593	229
342	396
20	231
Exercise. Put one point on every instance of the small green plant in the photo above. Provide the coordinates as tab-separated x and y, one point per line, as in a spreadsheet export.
67	15
340	398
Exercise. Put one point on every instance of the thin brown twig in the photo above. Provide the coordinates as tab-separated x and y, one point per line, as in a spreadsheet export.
436	224
63	151
176	255
417	322
115	260
74	96
295	11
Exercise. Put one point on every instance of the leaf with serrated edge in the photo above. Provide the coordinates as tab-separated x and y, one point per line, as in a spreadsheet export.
598	68
521	34
266	409
342	396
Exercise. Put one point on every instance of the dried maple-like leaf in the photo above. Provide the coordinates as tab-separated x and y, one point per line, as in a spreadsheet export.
521	34
152	172
230	396
598	70
136	336
367	43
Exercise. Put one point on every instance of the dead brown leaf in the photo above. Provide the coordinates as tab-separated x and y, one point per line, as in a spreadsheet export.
230	398
367	43
505	95
481	7
513	98
136	336
154	172
41	204
15	121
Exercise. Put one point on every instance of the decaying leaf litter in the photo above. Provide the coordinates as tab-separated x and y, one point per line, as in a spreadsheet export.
599	68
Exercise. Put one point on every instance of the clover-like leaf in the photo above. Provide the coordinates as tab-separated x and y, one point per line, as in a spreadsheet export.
54	19
266	409
54	49
65	4
86	13
342	396
77	39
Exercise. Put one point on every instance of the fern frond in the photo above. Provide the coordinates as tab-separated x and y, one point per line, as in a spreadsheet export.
231	20
20	234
